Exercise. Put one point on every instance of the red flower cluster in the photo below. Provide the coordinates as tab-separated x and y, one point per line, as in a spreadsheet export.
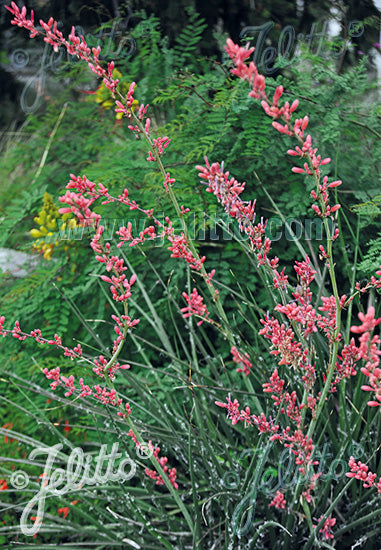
101	368
228	190
369	351
311	487
374	282
326	530
171	472
345	367
3	485
64	511
360	471
241	358
195	306
282	339
272	108
76	47
285	400
298	443
301	310
278	501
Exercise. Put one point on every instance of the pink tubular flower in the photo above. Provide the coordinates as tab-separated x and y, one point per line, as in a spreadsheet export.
312	161
195	306
369	351
170	472
168	182
20	18
301	446
311	487
278	501
234	414
65	511
323	195
228	190
241	358
288	400
326	530
345	366
80	207
298	443
160	144
180	249
305	272
360	471
69	383
239	56
327	322
275	386
102	394
76	46
368	322
129	96
301	310
374	282
282	341
280	280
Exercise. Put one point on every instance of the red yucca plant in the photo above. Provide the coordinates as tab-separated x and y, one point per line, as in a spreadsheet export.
304	378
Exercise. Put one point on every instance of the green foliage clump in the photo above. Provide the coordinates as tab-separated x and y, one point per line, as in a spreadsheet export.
178	371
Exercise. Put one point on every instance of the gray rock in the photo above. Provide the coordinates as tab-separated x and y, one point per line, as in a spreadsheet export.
17	264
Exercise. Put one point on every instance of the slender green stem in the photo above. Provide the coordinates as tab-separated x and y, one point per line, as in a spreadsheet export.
158	467
49	144
329	510
213	292
353	279
306	509
118	350
360	521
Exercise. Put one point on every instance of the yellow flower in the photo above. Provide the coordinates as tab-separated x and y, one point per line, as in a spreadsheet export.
35	233
104	97
47	221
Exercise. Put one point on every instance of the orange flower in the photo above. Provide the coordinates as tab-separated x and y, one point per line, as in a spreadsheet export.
67	427
64	511
8	425
3	485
